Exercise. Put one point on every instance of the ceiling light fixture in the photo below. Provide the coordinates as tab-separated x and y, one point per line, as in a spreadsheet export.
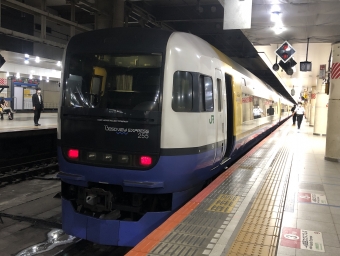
7	74
37	59
31	77
26	61
275	17
58	63
18	75
278	28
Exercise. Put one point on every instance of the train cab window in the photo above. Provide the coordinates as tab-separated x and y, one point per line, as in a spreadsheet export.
207	95
123	82
182	93
219	95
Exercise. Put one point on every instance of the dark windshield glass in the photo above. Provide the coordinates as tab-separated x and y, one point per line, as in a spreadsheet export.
113	82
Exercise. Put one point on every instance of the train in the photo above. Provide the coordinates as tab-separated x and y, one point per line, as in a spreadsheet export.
147	118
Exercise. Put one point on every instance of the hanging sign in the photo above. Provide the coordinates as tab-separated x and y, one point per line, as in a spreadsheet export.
322	72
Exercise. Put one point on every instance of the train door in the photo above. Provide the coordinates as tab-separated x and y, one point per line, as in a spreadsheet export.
230	138
220	145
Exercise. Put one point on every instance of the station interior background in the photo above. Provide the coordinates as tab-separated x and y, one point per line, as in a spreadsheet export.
254	47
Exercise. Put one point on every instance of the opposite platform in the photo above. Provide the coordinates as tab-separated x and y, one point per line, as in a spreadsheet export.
279	199
24	122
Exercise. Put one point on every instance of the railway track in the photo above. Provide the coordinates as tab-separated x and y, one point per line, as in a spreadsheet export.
28	170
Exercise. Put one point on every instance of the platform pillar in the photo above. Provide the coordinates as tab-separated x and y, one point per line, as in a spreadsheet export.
321	109
43	20
118	13
111	14
307	110
333	126
312	106
103	18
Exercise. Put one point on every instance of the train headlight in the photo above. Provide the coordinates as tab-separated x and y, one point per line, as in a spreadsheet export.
73	154
145	160
123	159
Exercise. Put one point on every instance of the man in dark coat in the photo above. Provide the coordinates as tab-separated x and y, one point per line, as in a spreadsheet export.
270	111
38	106
294	114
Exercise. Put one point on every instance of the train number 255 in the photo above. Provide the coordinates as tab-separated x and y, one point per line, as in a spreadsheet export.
143	135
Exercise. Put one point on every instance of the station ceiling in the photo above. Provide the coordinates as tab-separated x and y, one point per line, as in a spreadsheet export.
318	20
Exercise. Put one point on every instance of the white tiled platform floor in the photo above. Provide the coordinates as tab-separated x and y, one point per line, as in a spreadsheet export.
310	173
24	121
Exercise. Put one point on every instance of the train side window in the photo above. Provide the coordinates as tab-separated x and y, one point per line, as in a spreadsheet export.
182	92
219	95
208	95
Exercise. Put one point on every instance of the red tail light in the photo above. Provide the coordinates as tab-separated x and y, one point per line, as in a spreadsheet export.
73	153
145	160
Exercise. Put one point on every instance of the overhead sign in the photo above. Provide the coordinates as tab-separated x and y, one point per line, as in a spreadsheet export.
285	51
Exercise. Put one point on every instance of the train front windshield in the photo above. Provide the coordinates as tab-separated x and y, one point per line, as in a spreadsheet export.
130	82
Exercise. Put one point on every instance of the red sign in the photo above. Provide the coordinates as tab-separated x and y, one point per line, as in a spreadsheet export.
3	81
247	99
304	197
335	74
291	237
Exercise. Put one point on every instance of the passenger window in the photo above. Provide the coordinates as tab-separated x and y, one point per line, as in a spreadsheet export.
219	95
208	94
182	93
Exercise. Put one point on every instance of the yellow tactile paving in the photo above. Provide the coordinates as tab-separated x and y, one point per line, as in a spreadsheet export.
224	203
259	234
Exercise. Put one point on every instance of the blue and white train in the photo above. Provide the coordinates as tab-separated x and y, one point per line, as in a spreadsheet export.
147	118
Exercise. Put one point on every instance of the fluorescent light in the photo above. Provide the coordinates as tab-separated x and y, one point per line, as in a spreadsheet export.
7	74
18	75
26	62
275	8
37	59
31	77
278	28
40	77
58	63
275	17
47	79
26	55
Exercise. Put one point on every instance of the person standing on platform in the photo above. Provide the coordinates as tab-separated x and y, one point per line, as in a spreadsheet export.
300	112
38	106
293	114
257	111
270	111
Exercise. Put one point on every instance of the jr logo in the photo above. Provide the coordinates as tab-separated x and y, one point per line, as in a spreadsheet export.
211	120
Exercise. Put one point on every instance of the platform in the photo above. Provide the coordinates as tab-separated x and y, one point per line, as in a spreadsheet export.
281	198
24	122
